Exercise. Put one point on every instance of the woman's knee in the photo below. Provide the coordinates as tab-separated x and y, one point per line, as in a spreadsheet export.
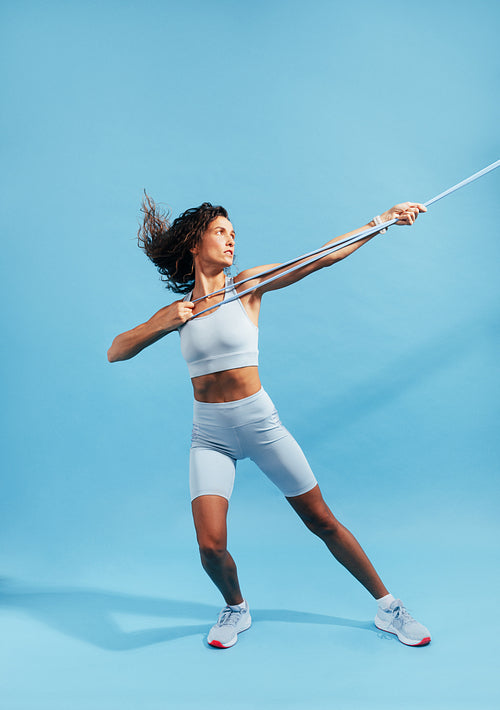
212	550
320	520
322	523
209	514
315	513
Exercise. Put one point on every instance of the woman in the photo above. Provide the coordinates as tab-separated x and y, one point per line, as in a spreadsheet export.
234	418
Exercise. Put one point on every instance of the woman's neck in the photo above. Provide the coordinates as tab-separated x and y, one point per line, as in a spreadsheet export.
208	283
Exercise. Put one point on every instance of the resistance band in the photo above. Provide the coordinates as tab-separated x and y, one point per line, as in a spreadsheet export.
330	248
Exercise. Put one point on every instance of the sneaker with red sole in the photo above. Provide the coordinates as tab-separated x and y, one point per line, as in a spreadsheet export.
396	620
230	623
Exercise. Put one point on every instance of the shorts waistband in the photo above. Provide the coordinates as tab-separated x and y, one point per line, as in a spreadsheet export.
236	413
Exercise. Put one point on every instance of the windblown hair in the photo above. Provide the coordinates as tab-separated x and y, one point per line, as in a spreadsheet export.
168	244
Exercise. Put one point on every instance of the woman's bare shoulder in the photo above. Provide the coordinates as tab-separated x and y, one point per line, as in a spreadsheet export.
251	275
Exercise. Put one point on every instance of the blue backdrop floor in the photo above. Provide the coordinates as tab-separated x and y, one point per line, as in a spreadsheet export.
137	638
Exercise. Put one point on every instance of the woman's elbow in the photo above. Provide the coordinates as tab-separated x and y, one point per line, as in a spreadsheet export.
114	354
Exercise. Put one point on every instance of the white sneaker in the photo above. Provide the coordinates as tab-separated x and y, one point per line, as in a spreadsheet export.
229	624
396	620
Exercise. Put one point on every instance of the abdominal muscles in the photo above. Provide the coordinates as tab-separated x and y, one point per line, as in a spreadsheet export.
228	385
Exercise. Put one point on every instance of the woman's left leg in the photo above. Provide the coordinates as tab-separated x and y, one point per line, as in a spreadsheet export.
279	456
342	544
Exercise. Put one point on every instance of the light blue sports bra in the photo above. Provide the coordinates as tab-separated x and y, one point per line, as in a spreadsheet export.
224	339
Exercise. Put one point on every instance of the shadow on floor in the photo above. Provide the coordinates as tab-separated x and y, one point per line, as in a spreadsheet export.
88	615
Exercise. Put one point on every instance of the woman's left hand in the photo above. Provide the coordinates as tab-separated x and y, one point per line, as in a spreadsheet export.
406	212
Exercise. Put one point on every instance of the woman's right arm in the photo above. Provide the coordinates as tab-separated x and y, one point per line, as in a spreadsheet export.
167	319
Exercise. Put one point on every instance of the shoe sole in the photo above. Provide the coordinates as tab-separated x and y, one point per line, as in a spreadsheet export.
218	644
404	639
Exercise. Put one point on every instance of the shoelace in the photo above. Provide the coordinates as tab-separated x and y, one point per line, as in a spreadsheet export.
400	612
229	617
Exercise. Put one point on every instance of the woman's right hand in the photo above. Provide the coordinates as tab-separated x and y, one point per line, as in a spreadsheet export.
172	316
406	213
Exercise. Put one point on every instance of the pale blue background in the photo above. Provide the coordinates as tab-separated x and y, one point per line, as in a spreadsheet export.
304	120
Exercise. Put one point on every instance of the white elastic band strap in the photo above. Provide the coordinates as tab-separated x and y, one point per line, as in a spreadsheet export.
331	248
321	250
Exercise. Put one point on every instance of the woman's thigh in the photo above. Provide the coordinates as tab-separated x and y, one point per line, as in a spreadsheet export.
210	473
271	446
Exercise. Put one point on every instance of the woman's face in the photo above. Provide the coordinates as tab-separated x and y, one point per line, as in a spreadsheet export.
217	244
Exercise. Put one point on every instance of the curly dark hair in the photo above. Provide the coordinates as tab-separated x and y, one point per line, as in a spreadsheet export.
168	244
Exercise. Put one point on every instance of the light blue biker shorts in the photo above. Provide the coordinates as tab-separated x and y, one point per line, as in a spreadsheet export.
246	428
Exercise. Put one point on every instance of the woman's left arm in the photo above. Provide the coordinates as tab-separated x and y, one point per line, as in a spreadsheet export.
406	212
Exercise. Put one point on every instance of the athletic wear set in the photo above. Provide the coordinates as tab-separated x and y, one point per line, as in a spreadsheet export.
225	432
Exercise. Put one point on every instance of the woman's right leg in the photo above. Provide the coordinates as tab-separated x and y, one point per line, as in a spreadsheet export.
210	515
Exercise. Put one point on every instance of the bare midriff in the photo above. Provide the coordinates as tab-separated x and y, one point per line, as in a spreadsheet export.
227	386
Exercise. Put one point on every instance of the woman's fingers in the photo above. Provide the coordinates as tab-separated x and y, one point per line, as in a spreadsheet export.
409	212
405	212
188	309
